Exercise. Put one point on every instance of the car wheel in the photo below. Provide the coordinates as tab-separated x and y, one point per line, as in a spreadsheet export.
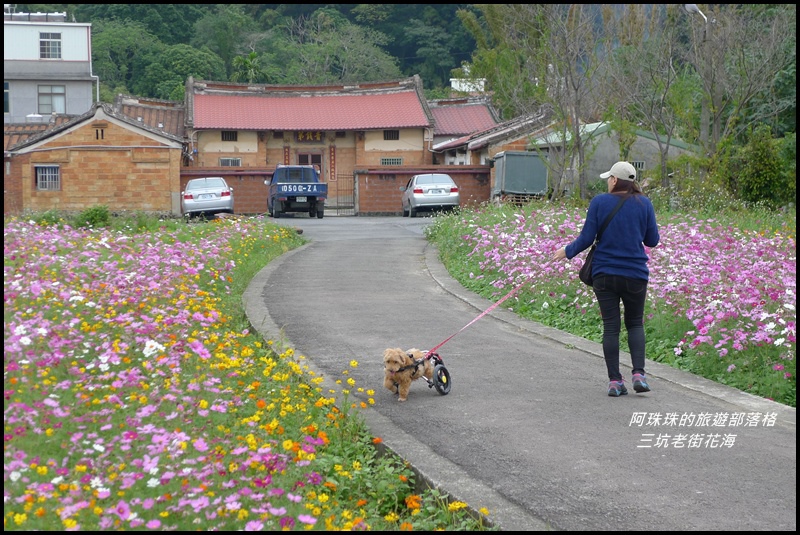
412	212
405	212
320	214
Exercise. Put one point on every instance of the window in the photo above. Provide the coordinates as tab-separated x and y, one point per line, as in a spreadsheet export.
48	178
230	135
49	45
391	135
230	162
391	161
6	106
52	99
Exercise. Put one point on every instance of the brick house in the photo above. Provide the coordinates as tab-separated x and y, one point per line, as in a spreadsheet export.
98	158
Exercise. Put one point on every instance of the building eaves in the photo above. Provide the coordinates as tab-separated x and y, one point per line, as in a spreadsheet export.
165	116
75	120
362	106
519	126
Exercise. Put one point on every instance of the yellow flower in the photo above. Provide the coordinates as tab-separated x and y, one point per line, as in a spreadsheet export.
392	517
354	364
455	506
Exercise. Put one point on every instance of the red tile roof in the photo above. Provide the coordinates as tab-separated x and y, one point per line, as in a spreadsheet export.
162	115
457	120
318	112
15	133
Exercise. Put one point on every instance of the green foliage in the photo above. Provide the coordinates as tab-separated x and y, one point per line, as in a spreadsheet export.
93	217
47	219
169	69
760	178
120	53
170	23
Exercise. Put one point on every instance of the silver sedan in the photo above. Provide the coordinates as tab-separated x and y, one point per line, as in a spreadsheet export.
429	192
206	196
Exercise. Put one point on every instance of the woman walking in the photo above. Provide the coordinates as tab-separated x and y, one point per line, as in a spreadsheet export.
619	268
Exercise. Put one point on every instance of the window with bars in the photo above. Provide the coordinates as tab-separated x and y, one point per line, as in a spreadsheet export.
230	135
52	99
391	135
48	178
49	45
230	162
639	166
391	161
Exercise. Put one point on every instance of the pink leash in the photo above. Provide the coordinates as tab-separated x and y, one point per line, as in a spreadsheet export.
482	314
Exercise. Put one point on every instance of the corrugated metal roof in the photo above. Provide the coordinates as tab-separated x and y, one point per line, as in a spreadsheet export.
314	112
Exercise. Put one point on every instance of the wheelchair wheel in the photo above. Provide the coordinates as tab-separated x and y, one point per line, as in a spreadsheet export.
441	379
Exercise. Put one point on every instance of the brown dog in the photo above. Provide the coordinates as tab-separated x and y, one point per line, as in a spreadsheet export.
401	368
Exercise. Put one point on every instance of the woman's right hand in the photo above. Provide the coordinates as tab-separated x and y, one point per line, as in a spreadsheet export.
560	254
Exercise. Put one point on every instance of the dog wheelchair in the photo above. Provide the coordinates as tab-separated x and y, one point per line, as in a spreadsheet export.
441	377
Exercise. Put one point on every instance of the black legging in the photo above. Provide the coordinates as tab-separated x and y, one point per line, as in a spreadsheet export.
610	289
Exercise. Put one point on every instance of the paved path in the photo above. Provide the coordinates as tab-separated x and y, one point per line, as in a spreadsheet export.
527	430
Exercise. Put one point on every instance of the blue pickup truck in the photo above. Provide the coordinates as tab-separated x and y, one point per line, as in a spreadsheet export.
297	188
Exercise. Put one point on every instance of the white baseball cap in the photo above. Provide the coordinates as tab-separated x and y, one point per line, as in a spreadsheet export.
621	170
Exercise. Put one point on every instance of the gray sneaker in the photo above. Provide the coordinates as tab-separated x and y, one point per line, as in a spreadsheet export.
640	383
617	389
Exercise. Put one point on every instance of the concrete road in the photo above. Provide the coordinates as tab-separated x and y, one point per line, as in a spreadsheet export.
527	430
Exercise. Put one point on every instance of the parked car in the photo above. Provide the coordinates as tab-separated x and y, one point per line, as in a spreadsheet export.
206	196
429	192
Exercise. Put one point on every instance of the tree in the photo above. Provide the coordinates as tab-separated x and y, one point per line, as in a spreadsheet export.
170	23
221	31
167	72
326	48
643	76
738	54
248	68
119	50
549	56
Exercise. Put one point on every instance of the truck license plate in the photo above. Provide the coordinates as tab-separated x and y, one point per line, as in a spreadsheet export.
301	199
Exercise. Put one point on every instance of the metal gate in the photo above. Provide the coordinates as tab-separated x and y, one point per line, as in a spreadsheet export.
341	196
